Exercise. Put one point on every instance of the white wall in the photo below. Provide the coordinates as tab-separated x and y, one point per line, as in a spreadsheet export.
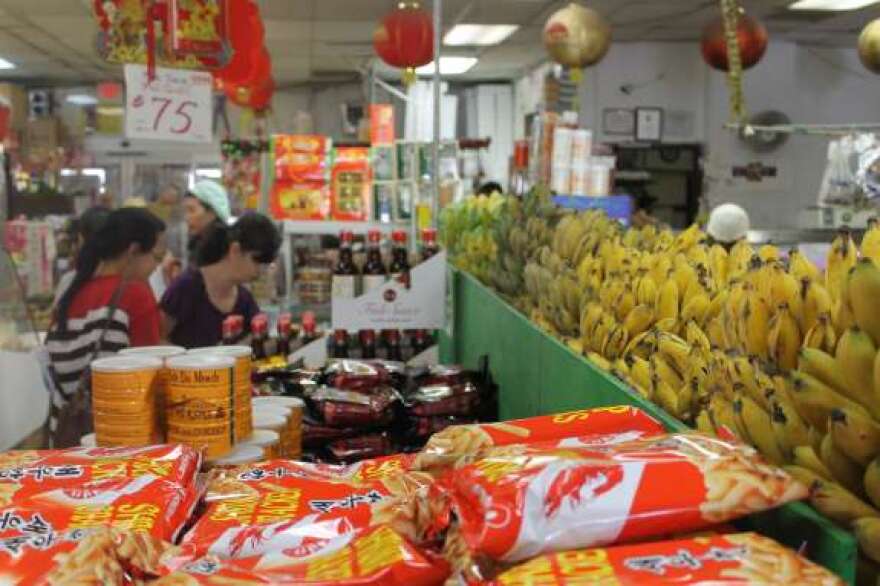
809	84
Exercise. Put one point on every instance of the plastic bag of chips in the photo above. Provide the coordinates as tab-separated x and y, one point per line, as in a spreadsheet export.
738	559
460	444
521	501
367	557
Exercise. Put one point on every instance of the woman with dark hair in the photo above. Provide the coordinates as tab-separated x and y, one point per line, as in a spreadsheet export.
205	206
81	229
195	305
114	262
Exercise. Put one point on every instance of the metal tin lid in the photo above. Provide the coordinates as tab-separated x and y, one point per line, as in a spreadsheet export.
157	351
268	420
236	351
200	361
240	454
126	364
262	438
289	402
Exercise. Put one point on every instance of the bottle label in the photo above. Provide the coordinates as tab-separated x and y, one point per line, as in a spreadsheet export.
344	287
373	282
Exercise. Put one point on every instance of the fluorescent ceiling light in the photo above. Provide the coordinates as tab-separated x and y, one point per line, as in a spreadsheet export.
478	34
449	66
836	5
4	64
81	100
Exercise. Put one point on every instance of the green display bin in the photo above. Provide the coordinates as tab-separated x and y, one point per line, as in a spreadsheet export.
538	375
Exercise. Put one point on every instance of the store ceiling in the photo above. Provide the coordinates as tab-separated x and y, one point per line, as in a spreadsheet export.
314	41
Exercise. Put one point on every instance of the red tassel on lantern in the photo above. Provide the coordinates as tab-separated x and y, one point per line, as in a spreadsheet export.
405	39
751	36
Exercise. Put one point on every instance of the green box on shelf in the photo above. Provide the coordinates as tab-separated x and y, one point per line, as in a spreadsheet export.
537	375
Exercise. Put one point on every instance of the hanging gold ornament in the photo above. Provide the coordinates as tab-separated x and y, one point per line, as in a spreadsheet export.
577	37
869	46
730	12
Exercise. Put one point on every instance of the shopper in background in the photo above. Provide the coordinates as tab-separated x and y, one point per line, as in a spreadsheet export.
205	205
195	305
113	264
489	188
81	229
728	224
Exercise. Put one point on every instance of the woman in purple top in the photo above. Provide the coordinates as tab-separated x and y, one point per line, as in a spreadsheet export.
195	305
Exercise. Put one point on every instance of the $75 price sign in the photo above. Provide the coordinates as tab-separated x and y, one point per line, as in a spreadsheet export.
175	105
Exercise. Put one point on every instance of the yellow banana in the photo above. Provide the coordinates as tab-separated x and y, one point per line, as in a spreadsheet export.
872	482
784	339
716	305
802	267
676	350
716	333
666	372
855	434
822	335
815	301
718	260
806	457
839	504
805	476
723	417
842	316
756	422
841	258
784	288
599	361
789	429
696	337
667	325
638	320
871	241
666	306
845	471
704	423
768	253
625	303
824	367
815	400
669	399
646	293
575	345
696	308
756	319
640	371
855	358
614	343
867	530
863	291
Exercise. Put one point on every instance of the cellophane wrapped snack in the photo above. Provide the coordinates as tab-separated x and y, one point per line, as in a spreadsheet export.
357	375
339	408
461	444
366	557
283	510
739	559
26	473
518	502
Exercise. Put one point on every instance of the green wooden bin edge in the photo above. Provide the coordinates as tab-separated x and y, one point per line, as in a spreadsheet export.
793	524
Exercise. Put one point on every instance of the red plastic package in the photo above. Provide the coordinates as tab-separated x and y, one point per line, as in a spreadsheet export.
461	399
357	375
353	409
732	560
460	444
73	467
287	506
523	501
372	556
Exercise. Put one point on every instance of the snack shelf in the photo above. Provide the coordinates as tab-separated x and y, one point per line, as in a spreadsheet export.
539	375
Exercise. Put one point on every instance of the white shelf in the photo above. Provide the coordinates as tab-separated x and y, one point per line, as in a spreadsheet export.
334	228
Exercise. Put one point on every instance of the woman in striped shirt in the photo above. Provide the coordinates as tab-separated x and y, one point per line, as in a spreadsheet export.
119	257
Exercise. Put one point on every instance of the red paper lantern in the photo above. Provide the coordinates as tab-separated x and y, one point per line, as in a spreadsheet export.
751	35
405	38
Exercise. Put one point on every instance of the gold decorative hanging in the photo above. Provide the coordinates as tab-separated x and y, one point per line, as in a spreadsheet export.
730	12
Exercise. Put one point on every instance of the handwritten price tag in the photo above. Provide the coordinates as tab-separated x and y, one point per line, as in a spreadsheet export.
176	105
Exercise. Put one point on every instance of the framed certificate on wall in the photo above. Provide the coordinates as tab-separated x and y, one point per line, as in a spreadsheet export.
649	124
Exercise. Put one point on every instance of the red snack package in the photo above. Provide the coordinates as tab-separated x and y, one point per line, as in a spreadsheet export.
74	467
422	427
357	375
349	408
523	501
440	374
316	434
464	443
444	399
362	447
732	560
372	556
288	506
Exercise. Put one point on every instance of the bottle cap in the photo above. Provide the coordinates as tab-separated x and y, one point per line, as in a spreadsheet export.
374	236
399	236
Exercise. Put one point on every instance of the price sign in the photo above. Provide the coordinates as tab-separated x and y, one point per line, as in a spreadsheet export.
176	105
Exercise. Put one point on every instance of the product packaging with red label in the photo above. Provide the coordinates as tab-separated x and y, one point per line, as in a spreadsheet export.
522	501
352	409
732	560
461	444
375	556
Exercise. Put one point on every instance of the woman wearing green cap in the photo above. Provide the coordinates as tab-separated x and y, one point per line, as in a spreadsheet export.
205	205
